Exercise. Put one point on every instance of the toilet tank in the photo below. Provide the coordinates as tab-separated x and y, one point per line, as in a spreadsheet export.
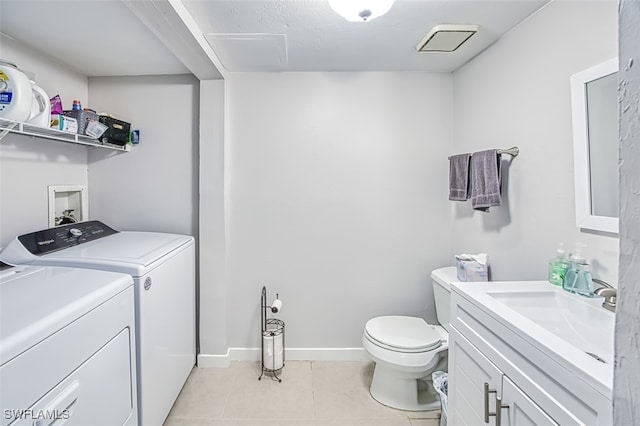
442	279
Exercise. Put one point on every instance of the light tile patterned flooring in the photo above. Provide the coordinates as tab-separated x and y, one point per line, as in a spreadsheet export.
312	393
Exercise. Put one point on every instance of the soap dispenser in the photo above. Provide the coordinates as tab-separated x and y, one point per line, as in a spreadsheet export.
578	277
558	266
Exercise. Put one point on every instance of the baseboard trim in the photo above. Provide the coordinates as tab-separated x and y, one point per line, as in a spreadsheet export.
213	361
325	354
291	354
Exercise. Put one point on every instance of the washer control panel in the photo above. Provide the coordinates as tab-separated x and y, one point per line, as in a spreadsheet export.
61	237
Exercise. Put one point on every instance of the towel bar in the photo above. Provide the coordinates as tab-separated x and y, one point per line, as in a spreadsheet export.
513	151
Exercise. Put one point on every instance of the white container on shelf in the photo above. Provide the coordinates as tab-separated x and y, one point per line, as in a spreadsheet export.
16	94
40	113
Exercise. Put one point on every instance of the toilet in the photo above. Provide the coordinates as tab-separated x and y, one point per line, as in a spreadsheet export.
406	350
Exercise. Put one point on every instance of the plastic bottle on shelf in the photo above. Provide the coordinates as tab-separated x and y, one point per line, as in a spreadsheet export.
15	92
558	266
40	107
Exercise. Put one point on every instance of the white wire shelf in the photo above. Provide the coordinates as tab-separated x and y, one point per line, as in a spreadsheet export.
10	126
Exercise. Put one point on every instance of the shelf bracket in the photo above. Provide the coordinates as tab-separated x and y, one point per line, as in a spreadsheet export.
5	130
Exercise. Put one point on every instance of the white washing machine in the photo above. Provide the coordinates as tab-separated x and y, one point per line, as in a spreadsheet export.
163	270
67	347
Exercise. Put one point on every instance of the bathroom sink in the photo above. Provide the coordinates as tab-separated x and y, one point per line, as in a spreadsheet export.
573	330
579	321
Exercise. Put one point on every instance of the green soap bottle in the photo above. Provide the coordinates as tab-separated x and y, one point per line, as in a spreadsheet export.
558	266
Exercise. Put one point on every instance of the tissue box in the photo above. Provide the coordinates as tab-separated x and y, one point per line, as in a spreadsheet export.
472	268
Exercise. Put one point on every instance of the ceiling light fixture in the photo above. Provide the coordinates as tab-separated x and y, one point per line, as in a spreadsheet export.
360	10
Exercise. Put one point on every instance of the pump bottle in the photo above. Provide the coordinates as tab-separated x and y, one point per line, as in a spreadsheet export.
578	277
558	266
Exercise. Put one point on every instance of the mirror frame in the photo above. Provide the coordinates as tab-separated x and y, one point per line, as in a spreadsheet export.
584	217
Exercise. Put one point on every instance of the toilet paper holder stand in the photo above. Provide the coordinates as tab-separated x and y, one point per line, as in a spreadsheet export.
273	329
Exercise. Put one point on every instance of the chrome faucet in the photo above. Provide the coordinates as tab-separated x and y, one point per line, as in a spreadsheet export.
608	292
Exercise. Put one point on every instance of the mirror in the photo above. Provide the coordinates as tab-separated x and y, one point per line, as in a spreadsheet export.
594	99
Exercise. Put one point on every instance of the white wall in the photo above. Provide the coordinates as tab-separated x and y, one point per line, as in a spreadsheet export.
337	200
213	270
517	93
28	166
626	389
52	75
155	186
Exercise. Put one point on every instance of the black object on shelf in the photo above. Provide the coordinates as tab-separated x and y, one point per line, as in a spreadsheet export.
117	132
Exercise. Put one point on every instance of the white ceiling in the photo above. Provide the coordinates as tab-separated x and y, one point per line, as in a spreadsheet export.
307	35
105	37
94	37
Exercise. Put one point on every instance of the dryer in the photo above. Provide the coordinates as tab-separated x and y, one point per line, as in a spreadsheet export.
67	347
163	269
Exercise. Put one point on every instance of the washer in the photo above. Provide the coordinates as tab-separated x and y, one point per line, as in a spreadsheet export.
67	347
163	271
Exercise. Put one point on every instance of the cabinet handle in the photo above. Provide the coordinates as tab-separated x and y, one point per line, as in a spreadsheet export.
499	408
487	414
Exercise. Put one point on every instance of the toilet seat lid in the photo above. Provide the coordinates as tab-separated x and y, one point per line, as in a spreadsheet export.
406	334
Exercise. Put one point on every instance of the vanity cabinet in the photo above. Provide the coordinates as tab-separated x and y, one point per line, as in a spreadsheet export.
477	388
494	369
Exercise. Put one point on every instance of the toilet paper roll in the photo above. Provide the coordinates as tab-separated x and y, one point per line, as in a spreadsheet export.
273	353
276	306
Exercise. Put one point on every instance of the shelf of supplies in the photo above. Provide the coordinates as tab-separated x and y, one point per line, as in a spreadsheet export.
9	126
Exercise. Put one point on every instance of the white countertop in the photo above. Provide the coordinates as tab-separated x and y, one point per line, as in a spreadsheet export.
562	325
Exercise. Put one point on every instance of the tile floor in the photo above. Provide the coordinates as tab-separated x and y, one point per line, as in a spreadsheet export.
311	394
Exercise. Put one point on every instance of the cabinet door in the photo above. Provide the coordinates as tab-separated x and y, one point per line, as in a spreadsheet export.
469	370
519	410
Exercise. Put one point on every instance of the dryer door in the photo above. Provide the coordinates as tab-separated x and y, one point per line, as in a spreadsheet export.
98	393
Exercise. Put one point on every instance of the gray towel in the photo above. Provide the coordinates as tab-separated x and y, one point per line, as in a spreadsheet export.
485	180
459	177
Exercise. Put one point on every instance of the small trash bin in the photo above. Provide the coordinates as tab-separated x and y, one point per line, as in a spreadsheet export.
440	384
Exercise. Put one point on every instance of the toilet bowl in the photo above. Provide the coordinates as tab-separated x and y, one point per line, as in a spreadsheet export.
406	350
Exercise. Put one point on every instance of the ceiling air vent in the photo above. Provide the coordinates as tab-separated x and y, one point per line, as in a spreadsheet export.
446	37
